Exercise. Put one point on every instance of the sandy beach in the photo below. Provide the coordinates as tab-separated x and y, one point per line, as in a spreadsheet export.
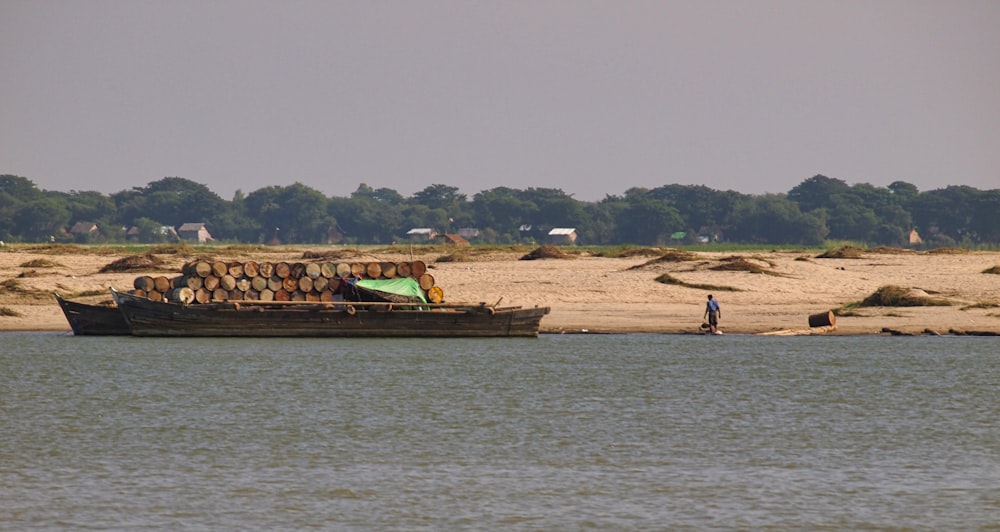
594	294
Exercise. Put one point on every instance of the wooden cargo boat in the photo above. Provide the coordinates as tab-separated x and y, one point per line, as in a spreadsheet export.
93	320
325	319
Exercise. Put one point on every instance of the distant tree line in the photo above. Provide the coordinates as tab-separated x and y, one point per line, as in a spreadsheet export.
818	209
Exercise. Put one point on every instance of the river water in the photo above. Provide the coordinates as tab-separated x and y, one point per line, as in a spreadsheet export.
636	432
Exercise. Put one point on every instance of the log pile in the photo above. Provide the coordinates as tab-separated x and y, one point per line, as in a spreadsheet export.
206	281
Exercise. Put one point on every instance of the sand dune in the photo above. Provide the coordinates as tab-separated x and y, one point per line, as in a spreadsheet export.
596	294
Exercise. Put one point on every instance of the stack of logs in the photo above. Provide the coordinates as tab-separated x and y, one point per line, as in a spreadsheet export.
204	281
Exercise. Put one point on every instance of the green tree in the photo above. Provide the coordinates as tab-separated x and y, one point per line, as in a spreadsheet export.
774	219
369	215
442	197
817	192
297	214
646	220
946	211
176	201
40	219
986	216
555	208
503	210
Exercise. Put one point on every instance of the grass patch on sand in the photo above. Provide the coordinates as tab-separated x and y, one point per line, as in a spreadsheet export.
481	253
981	305
737	263
843	252
628	252
41	263
671	255
182	248
133	263
671	280
897	296
995	270
948	251
458	256
9	312
332	254
12	287
547	252
885	250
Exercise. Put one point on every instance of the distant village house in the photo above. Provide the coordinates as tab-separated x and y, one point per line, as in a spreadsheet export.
83	228
421	233
562	236
194	232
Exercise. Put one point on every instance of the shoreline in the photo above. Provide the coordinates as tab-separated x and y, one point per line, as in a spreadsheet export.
603	295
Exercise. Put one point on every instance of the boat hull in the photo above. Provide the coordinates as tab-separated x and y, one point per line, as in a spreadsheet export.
93	320
155	318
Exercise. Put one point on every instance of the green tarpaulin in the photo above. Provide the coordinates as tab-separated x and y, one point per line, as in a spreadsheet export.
403	286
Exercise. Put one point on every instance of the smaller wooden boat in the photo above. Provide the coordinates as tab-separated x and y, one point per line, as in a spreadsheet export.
93	320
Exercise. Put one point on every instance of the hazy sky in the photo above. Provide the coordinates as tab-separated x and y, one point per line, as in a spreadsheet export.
589	97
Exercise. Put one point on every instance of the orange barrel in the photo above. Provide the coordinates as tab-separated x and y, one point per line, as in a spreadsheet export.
435	294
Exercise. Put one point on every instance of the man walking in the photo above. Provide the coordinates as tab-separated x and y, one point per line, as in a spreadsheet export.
713	313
